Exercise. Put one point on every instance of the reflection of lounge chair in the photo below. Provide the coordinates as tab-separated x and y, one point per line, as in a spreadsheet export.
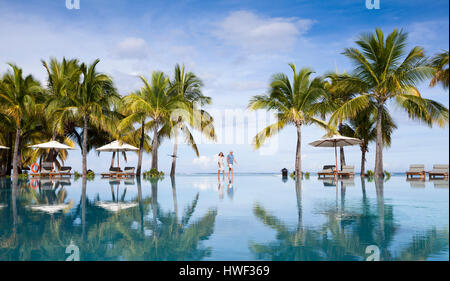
416	170
47	184
440	183
329	182
347	182
439	171
113	171
416	182
347	171
129	181
327	171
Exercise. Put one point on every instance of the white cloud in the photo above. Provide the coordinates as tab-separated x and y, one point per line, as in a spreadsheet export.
203	160
262	34
133	48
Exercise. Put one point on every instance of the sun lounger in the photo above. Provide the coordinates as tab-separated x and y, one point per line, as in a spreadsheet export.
347	171
416	170
65	171
128	172
46	171
113	172
439	170
327	171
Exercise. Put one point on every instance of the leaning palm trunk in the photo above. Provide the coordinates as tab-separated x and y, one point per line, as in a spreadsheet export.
141	148
155	149
379	172
298	160
174	155
84	150
16	155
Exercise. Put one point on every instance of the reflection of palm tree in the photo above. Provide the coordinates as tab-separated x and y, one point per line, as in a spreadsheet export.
344	236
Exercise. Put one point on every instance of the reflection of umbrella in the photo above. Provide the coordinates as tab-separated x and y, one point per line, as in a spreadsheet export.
115	207
116	146
51	209
335	141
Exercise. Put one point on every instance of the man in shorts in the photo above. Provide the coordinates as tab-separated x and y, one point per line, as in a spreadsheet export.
230	163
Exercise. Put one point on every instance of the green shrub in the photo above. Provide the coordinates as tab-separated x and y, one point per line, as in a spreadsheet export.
90	175
307	174
153	174
370	173
23	176
76	175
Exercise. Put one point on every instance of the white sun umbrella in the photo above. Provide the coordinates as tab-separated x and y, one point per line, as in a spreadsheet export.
52	145
3	147
117	146
335	141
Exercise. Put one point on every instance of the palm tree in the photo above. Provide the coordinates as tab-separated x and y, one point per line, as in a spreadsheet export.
335	99
188	86
440	63
382	73
18	97
154	101
295	103
92	100
363	127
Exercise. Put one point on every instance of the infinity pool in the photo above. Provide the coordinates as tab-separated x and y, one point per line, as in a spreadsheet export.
259	217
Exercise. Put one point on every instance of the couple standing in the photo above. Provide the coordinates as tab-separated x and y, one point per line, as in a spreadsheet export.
230	162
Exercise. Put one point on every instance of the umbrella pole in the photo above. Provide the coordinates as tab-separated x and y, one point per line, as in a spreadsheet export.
118	155
335	156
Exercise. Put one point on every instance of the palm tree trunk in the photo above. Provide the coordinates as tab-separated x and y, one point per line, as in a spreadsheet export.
342	156
298	160
174	155
10	155
16	155
84	149
141	150
155	148
379	172
363	161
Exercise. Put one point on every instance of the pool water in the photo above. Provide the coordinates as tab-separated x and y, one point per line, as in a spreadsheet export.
258	217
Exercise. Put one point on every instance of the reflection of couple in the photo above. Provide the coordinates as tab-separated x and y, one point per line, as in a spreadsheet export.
230	163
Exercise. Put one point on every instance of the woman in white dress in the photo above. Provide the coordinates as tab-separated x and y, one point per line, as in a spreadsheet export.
221	167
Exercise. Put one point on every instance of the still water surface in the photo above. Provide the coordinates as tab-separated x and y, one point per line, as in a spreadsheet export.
259	217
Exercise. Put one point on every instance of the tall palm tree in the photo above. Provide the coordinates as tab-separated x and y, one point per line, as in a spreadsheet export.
383	72
440	63
89	104
18	98
188	86
297	103
363	127
336	98
156	102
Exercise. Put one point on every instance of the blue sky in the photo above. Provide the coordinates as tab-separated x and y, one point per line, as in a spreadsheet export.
235	47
